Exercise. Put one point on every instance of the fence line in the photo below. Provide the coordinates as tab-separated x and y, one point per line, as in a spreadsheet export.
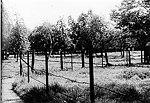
51	74
63	77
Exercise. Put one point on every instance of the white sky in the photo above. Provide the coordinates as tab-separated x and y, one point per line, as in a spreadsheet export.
35	12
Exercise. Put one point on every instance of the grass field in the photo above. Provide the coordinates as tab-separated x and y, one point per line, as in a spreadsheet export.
135	78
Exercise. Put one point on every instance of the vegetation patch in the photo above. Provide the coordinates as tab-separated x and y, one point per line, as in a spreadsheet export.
108	93
143	74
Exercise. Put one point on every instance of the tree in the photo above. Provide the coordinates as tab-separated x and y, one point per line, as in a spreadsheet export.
41	37
17	38
87	34
6	29
133	18
89	27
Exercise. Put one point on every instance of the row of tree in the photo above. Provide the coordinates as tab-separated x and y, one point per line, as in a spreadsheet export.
131	31
133	18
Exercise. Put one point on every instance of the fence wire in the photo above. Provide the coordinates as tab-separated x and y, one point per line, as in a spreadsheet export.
51	74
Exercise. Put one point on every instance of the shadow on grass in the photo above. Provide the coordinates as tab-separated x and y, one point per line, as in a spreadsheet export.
123	93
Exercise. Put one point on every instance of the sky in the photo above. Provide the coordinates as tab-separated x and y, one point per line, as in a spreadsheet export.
35	12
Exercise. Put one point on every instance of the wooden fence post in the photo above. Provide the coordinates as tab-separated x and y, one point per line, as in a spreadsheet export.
46	65
2	54
91	72
28	67
32	65
20	64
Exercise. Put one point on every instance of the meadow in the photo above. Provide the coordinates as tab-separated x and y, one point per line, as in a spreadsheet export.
113	84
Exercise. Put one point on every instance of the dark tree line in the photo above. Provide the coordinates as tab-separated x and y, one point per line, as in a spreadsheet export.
132	17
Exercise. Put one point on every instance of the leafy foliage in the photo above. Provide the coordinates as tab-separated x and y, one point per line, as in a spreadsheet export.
55	37
6	27
17	38
41	37
132	17
88	28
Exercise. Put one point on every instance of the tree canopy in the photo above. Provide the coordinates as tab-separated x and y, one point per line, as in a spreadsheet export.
132	16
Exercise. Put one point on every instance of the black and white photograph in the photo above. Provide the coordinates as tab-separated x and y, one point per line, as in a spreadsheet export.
75	51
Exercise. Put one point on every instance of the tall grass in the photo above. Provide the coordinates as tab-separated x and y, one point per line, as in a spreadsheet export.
120	93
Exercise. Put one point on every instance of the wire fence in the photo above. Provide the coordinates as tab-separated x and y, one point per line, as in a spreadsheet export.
43	72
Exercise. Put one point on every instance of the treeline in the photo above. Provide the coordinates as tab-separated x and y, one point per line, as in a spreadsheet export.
131	31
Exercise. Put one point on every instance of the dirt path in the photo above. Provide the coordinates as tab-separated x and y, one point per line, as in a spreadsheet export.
9	72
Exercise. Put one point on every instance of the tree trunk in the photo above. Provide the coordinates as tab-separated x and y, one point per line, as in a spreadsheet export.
91	73
106	57
17	56
14	54
28	66
61	60
141	56
64	53
102	57
82	57
145	56
32	64
20	63
46	65
129	58
71	62
123	54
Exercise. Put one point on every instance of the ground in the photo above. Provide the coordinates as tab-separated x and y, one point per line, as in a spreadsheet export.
10	72
136	74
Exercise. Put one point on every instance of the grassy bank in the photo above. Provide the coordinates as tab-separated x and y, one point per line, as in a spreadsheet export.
33	92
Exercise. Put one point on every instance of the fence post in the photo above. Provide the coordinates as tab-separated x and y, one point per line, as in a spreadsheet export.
91	72
2	54
71	61
28	67
20	64
32	65
46	65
